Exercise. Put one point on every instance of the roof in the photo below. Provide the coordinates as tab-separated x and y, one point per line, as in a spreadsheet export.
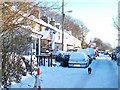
33	18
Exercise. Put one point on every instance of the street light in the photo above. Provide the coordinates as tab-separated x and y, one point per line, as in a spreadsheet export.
63	16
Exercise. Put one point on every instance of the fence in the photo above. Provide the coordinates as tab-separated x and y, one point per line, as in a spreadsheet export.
41	59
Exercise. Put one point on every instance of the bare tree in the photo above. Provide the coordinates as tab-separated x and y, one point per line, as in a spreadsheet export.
14	35
13	41
102	45
106	46
98	42
115	23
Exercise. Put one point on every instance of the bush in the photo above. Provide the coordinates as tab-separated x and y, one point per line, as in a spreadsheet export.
15	69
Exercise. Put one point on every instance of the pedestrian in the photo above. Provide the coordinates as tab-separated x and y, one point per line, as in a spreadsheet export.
89	70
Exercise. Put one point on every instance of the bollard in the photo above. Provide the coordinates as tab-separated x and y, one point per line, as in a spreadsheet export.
37	80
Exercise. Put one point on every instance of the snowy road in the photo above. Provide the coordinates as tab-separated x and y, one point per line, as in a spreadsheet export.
104	75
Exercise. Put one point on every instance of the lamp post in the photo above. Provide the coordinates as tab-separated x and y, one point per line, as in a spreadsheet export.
63	16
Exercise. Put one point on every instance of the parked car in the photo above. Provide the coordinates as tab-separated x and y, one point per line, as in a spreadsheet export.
59	55
62	57
87	53
113	55
60	52
92	53
78	59
107	52
118	58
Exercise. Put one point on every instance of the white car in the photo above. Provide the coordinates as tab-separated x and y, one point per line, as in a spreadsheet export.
86	51
92	52
78	59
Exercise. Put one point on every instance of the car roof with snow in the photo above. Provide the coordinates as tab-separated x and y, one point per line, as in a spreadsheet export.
91	50
60	52
78	55
84	51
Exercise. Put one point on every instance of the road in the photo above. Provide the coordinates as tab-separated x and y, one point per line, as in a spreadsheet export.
104	75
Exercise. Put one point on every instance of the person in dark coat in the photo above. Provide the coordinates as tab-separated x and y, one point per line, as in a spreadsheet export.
89	70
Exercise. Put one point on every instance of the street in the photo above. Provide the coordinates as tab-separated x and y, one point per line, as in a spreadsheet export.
43	46
104	75
103	72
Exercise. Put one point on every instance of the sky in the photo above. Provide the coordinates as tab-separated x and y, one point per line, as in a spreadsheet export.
97	15
104	75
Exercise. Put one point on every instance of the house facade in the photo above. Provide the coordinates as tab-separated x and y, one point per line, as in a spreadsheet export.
70	42
48	35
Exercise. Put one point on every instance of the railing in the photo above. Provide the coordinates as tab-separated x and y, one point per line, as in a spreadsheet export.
41	59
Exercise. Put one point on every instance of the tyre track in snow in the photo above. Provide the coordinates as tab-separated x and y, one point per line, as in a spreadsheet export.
103	75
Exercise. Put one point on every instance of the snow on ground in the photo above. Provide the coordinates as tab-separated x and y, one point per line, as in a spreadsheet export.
104	75
26	82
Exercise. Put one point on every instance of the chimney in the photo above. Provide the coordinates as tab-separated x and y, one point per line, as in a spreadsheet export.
44	18
52	22
58	25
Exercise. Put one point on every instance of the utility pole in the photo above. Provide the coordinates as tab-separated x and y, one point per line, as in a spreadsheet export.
63	15
31	58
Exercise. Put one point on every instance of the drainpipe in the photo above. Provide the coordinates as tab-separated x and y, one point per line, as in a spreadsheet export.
40	44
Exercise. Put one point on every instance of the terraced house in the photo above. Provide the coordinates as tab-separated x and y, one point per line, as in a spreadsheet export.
45	35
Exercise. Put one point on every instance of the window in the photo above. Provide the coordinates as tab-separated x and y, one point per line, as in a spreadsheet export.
58	35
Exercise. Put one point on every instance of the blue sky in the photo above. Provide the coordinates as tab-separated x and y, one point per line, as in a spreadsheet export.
97	15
